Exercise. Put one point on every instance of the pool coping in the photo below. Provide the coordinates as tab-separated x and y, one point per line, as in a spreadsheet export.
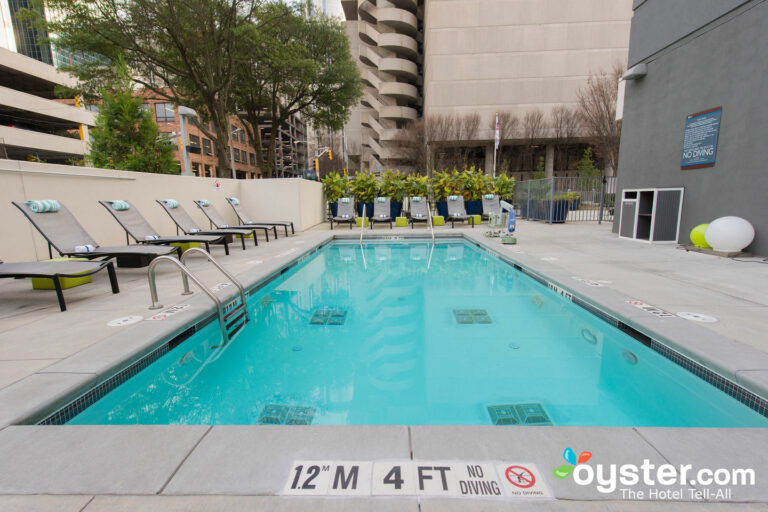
97	366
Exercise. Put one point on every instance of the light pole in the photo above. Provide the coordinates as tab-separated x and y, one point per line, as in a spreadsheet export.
231	151
184	113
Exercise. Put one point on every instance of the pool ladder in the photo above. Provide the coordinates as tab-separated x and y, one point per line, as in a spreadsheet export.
232	316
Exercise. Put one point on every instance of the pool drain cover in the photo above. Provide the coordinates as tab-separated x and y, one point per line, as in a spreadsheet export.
471	316
529	413
328	316
274	414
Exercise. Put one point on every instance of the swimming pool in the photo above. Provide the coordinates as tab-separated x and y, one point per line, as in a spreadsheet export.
416	333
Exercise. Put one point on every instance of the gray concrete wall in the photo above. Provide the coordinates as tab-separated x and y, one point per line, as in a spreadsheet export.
659	23
725	65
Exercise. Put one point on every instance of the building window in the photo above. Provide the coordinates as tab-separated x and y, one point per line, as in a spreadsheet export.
164	112
207	146
194	141
240	175
237	155
92	108
242	136
207	169
196	169
146	107
252	159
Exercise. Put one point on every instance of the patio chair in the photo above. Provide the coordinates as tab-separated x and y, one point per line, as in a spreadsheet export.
55	270
457	212
345	211
381	211
184	222
243	218
419	210
215	218
63	233
491	205
137	227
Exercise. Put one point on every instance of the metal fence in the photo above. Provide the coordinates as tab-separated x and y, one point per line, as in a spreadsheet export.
558	200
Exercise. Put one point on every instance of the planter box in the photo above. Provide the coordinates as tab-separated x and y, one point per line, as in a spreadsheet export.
395	209
474	207
442	208
43	283
368	209
334	209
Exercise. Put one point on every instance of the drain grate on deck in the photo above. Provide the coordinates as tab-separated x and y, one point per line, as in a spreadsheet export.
328	316
472	316
275	414
529	413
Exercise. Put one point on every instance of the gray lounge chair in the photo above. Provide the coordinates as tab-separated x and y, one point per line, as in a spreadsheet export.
188	226
243	217
216	220
457	212
381	211
137	227
419	210
63	233
491	205
345	211
55	270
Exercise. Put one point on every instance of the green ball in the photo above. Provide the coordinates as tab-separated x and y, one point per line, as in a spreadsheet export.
697	236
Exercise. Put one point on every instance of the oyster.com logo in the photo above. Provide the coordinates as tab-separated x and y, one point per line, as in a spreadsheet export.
569	455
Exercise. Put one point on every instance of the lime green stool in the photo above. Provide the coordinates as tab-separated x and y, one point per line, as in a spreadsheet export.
477	219
44	283
359	222
185	246
401	222
438	220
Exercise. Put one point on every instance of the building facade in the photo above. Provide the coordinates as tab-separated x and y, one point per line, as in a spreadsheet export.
465	60
33	126
699	56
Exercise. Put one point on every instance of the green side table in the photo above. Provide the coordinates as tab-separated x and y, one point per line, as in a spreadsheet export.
401	222
438	220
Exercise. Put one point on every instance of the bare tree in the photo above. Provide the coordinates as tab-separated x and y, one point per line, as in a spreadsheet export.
597	111
508	125
564	127
534	130
412	143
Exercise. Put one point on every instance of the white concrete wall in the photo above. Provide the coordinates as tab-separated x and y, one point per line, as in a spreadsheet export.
80	189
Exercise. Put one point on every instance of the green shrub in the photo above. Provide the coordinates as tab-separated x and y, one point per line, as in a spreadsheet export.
504	186
335	186
364	187
417	186
394	186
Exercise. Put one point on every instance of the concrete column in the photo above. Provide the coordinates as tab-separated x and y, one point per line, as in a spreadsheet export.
549	161
488	168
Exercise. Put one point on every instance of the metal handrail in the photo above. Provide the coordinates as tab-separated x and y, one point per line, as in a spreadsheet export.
186	274
431	228
216	264
362	225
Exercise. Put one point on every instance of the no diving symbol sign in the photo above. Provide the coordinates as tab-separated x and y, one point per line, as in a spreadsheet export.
428	478
520	477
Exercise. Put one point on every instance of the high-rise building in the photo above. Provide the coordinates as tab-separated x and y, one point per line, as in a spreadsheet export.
465	60
32	124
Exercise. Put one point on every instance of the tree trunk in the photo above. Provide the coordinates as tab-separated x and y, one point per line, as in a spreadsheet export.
219	119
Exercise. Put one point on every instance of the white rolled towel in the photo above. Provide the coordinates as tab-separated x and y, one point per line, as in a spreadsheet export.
84	248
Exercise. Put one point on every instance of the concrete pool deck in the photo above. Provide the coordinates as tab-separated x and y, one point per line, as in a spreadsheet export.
37	367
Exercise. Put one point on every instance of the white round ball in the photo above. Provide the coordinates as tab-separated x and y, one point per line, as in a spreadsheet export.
729	234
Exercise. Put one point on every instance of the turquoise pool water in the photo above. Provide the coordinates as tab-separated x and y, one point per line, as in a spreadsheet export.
410	333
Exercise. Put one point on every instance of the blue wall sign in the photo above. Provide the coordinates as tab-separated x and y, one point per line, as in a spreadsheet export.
700	139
